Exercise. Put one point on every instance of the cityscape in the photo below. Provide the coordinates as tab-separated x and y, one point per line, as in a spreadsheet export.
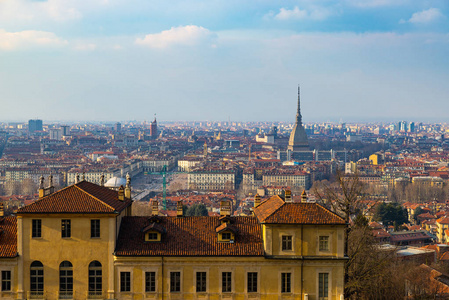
224	150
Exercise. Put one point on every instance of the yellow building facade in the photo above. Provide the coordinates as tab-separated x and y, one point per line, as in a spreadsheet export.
83	243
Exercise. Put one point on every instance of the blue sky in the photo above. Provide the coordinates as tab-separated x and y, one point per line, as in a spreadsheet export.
107	60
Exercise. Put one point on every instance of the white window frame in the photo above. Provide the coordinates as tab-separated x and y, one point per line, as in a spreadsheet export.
156	271
329	284
292	279
195	270
252	270
125	269
230	270
181	279
287	233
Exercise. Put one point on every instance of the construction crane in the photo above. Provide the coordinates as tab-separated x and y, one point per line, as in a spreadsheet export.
164	186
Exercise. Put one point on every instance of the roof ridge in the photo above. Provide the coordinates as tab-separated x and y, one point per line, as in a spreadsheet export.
40	199
328	210
102	202
276	196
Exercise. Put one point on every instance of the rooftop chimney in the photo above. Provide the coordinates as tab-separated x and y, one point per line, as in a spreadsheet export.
225	208
128	186
121	193
102	180
288	196
77	178
256	200
179	209
304	197
154	208
2	211
41	186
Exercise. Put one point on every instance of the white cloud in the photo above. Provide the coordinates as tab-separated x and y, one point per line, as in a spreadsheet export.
374	3
85	47
183	35
425	16
300	14
28	39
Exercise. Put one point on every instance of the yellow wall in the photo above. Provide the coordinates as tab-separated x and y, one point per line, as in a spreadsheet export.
80	249
269	274
303	236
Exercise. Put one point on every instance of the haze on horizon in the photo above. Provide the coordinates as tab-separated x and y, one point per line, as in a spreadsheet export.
107	60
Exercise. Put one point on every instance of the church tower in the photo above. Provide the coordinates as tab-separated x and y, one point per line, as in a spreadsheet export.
298	138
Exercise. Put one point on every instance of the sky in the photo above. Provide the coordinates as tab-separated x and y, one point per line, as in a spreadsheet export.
238	60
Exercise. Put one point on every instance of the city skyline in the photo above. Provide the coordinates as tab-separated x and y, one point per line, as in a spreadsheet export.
109	60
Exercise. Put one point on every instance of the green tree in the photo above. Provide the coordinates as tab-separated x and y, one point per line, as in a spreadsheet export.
197	210
391	213
418	211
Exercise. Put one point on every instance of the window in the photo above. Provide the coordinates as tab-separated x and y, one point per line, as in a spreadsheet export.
200	282
94	228
6	280
36	230
152	236
150	281
37	278
286	242
286	282
252	282
226	282
324	243
125	281
323	285
65	279
66	231
175	281
226	236
95	278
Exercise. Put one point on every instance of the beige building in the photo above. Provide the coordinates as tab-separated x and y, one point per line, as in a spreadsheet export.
211	180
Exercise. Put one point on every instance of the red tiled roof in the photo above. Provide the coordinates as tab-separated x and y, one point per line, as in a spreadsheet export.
189	236
443	220
275	210
82	197
8	237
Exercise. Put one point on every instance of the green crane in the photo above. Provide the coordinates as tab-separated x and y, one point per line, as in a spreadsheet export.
164	186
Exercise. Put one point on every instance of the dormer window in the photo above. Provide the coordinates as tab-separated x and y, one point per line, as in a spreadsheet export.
226	232
152	236
226	236
153	232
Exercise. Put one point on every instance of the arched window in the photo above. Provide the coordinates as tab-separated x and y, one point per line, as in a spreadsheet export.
37	278
65	280
95	279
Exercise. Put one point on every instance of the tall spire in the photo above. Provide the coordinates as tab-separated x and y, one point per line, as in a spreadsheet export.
298	113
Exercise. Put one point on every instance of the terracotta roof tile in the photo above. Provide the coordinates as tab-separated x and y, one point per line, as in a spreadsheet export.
8	237
189	236
275	210
82	197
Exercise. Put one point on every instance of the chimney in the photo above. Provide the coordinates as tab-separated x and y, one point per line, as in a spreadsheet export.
128	186
225	208
102	180
41	186
2	211
121	193
256	200
154	208
304	197
77	178
288	196
51	187
179	209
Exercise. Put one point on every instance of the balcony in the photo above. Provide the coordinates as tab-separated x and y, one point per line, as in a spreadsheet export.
66	295
95	295
36	295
